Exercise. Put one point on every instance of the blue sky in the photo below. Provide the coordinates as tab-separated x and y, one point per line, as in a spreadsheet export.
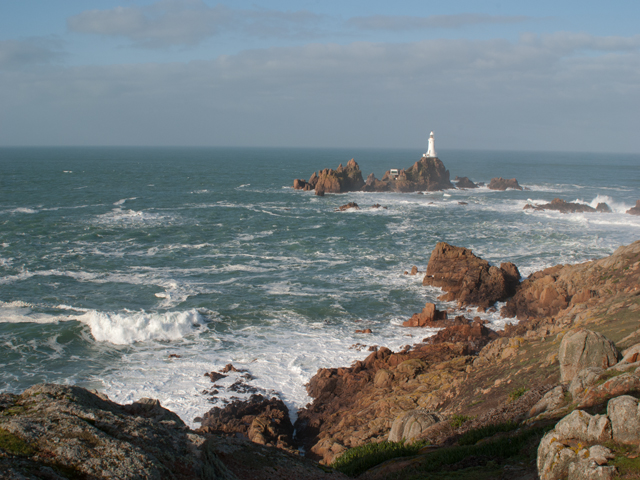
490	75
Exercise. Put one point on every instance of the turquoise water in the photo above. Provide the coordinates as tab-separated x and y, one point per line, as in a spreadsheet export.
111	259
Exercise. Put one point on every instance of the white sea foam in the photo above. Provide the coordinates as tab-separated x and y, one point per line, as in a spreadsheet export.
121	202
20	210
131	327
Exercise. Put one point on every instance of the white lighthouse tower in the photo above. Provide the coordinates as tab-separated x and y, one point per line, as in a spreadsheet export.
431	152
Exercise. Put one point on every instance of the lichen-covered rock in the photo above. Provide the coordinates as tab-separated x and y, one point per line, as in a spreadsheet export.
583	379
467	278
553	399
582	348
625	419
86	435
554	458
409	425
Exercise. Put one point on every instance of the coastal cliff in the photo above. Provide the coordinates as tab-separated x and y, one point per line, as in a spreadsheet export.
473	401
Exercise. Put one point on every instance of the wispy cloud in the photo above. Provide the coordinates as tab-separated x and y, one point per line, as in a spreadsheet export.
188	22
401	23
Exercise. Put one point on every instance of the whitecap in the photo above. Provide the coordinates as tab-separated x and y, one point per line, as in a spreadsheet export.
130	327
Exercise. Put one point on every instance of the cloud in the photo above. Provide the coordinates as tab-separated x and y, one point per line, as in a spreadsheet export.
403	23
32	51
484	94
187	22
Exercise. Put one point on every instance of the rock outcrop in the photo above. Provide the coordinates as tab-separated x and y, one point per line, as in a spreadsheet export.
428	173
499	183
341	180
262	420
572	288
429	317
410	425
568	207
60	432
464	182
634	210
469	279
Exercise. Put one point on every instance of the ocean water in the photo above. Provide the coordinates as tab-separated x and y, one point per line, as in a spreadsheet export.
135	271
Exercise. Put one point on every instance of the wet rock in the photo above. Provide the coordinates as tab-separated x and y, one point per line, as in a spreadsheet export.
341	180
215	376
299	184
366	330
634	210
429	317
349	205
603	208
464	182
262	420
567	207
500	183
469	279
582	348
414	270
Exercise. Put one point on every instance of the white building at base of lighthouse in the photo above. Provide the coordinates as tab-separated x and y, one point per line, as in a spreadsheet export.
431	152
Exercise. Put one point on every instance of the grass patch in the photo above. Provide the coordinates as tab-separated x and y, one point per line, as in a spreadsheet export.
360	459
628	468
522	445
517	393
474	436
14	445
458	420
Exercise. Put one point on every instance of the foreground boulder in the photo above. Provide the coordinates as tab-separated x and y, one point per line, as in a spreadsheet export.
581	349
500	183
410	425
469	279
84	435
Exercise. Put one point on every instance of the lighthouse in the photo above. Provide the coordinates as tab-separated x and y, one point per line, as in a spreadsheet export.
431	152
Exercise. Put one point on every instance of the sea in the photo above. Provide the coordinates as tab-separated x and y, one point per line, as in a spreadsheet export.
136	271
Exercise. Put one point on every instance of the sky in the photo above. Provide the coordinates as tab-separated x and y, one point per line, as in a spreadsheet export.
491	75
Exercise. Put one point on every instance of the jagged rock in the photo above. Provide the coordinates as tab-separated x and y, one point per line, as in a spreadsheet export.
464	182
262	420
582	348
409	425
313	180
625	419
299	184
463	330
85	435
374	185
428	174
568	207
349	205
414	270
603	208
429	317
469	279
341	180
634	210
500	183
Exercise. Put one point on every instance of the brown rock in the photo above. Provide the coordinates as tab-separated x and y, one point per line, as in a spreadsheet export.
414	270
464	182
500	183
469	279
567	207
299	184
634	210
366	330
429	317
348	206
582	348
341	180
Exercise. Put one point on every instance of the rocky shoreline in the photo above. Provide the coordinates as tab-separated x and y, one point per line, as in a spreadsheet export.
575	349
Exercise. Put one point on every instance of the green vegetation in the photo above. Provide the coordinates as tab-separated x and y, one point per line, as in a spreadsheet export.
14	445
458	420
473	436
606	376
626	461
360	459
517	393
517	448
